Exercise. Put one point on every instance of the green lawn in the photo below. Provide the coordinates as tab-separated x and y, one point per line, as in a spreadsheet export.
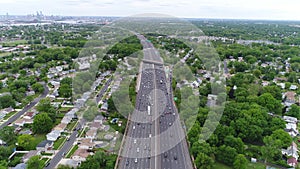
71	125
4	54
64	109
72	151
9	115
38	138
14	43
58	142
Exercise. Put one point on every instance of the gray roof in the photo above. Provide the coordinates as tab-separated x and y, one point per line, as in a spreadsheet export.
20	166
44	143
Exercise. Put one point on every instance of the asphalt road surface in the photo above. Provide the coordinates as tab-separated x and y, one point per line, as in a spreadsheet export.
26	108
155	138
68	144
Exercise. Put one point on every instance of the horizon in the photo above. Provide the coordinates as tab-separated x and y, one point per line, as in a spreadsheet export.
217	9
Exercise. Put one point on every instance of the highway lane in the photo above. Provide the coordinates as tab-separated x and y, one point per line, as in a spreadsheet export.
26	108
68	144
168	150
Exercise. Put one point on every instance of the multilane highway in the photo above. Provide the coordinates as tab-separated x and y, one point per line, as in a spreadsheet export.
155	138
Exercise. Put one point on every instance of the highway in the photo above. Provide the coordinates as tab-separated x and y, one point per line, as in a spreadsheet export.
26	108
68	144
155	138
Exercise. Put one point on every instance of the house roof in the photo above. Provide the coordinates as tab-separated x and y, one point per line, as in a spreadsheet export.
292	160
44	143
81	153
29	114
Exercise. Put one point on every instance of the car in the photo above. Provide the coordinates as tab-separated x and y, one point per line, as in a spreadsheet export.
47	164
165	154
150	135
137	150
68	138
63	154
127	162
133	127
170	124
175	157
134	141
135	160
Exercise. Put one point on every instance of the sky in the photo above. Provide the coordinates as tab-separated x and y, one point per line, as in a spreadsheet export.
223	9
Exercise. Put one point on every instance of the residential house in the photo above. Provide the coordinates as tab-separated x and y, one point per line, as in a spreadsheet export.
291	151
104	106
293	87
80	155
95	125
53	135
45	146
211	100
29	115
60	127
31	153
99	119
291	128
290	98
86	143
290	119
20	166
292	162
91	134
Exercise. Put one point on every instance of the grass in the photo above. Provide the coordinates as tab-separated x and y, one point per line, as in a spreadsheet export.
9	115
46	154
4	54
71	125
72	151
38	138
64	109
14	43
58	143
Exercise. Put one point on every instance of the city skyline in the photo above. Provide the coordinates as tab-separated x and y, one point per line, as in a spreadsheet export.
261	10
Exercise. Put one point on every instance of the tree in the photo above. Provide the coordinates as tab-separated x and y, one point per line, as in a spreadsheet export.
236	143
240	162
38	88
42	123
25	141
271	149
45	106
35	162
7	101
268	101
203	161
294	111
283	136
65	91
226	155
8	135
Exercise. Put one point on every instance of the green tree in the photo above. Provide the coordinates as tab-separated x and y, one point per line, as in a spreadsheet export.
7	101
35	162
226	155
268	101
38	88
284	137
203	161
271	149
26	141
63	167
236	143
42	123
294	111
8	135
65	90
240	162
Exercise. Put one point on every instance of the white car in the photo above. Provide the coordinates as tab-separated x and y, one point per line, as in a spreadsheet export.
133	127
137	150
135	160
134	141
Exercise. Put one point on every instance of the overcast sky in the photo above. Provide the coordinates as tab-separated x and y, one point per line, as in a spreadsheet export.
237	9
